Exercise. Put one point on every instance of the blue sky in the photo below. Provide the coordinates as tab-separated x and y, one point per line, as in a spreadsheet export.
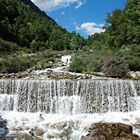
84	16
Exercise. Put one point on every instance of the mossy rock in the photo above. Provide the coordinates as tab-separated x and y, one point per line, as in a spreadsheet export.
110	131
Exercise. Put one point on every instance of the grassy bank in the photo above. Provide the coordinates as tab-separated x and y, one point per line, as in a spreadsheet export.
22	61
91	60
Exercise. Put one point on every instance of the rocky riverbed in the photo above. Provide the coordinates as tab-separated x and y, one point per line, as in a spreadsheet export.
108	126
42	126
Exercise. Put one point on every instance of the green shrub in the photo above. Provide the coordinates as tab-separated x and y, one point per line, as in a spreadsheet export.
134	63
115	67
14	65
7	47
77	65
131	53
37	46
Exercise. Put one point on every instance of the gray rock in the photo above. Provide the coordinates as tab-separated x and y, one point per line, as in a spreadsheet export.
3	128
133	75
110	131
3	132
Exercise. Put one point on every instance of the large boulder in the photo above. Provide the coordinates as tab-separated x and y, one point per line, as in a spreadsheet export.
3	128
110	131
133	74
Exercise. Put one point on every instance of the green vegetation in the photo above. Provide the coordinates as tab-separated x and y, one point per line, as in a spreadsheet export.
122	27
89	61
27	35
121	39
7	47
14	64
92	60
33	61
22	22
115	67
29	39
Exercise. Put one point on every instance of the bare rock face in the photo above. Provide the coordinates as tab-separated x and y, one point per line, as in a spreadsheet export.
110	131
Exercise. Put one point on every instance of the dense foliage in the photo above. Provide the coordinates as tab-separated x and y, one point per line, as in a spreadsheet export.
27	35
7	47
115	67
33	61
120	39
22	22
88	61
92	60
122	27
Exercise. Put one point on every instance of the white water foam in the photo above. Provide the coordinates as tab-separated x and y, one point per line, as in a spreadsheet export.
55	124
69	96
65	62
65	109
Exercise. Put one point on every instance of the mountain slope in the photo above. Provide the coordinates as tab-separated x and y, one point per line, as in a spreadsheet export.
24	23
36	9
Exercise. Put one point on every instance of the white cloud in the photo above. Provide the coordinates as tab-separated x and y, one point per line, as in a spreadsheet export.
80	3
49	5
91	28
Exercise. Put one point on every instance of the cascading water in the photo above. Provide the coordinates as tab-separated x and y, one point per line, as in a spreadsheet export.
69	97
64	109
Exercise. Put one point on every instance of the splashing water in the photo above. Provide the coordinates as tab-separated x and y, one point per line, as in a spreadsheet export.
68	106
70	97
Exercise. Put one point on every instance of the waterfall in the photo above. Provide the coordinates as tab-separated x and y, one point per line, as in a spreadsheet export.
69	96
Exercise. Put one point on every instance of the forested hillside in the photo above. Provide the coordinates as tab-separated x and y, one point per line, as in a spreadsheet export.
122	27
121	39
31	39
25	24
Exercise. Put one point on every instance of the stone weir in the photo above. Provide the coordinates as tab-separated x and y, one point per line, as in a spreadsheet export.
69	96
